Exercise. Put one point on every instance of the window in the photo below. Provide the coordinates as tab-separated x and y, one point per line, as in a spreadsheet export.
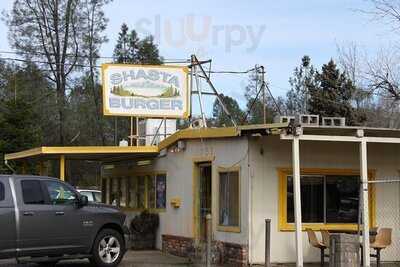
329	199
89	195
161	191
147	191
229	201
32	192
2	192
97	197
59	193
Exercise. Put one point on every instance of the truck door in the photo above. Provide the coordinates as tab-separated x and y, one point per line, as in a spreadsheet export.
74	223
8	235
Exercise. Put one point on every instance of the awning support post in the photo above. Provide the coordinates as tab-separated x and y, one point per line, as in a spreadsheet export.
364	196
62	167
297	199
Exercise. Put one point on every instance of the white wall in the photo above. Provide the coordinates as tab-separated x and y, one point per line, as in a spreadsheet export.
276	153
179	167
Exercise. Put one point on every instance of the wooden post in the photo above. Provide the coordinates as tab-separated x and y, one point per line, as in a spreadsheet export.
62	167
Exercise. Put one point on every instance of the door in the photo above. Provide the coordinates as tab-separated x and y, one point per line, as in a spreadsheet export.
50	221
8	232
204	197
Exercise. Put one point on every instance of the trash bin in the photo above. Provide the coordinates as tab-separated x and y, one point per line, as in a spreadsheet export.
343	251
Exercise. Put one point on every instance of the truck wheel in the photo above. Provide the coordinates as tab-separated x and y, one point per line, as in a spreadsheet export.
108	249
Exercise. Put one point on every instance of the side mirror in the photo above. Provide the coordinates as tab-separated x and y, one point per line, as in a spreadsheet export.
83	201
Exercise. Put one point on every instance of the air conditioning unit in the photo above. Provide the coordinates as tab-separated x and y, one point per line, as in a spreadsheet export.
334	121
287	119
309	120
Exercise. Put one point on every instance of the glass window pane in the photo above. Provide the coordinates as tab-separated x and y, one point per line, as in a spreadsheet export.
59	193
97	196
342	199
141	192
151	192
115	191
133	193
161	191
88	194
229	198
32	192
312	199
123	192
2	192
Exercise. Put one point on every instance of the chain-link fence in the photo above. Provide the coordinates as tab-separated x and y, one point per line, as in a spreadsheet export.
385	208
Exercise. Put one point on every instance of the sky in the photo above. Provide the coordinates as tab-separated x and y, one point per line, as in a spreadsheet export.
237	35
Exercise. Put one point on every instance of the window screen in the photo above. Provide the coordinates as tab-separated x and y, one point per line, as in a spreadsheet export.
2	192
32	192
229	198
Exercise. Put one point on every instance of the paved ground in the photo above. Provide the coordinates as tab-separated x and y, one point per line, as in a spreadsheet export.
152	259
131	259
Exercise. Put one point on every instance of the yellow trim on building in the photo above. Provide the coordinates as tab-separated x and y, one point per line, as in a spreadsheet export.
282	201
62	168
222	228
199	134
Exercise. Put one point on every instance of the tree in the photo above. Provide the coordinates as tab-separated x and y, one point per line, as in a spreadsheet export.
331	95
255	104
95	23
219	116
52	33
130	49
303	78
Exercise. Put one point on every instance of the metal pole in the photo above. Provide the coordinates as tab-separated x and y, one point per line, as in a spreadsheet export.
200	96
209	237
264	98
365	207
267	242
297	199
165	128
214	90
131	135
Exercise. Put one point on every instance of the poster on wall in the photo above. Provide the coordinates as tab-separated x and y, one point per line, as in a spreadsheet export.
161	192
145	91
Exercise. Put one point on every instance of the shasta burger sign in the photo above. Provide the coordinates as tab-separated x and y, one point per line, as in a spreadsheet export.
145	91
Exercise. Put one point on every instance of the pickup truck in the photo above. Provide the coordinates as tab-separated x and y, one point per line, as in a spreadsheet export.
45	220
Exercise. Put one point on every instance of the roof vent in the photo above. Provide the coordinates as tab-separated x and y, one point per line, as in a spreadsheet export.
334	121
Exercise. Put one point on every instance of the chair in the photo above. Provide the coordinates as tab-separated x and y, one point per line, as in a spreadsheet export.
382	240
325	238
312	238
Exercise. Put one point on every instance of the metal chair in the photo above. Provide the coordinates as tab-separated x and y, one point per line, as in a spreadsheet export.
382	240
312	238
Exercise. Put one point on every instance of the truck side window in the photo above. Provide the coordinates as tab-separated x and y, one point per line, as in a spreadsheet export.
32	192
60	193
2	192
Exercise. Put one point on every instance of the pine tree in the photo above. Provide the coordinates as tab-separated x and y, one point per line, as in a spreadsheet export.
332	93
303	78
220	118
130	49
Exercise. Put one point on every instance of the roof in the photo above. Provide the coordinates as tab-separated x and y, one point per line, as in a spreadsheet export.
117	152
351	131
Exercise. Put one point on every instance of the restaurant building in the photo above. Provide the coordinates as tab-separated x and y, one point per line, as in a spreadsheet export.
244	175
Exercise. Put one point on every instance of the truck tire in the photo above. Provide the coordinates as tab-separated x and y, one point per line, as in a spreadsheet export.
108	249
